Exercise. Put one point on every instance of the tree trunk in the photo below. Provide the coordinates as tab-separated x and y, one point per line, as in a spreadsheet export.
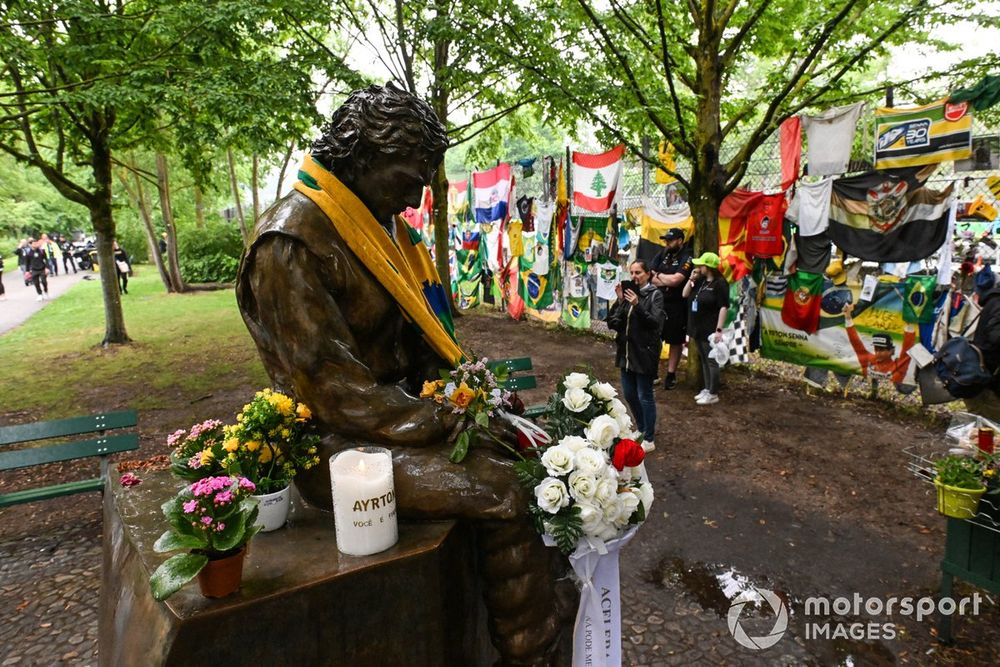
439	186
199	207
167	211
104	227
138	196
255	188
284	169
236	196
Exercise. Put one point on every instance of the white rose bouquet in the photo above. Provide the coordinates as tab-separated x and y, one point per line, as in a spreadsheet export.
588	482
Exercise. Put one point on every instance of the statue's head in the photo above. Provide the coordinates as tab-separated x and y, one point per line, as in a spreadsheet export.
384	144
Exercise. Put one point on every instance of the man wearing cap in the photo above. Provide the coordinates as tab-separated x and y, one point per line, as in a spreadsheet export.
880	365
671	269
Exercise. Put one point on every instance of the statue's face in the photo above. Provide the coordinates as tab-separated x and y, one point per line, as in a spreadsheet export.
391	183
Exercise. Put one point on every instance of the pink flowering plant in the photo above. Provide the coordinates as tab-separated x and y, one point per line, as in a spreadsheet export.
188	457
211	519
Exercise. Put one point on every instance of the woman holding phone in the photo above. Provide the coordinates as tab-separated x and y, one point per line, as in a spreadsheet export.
637	318
708	304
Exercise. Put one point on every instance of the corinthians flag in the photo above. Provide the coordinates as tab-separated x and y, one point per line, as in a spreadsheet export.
889	216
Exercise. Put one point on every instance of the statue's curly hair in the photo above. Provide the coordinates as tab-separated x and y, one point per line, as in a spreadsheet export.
378	119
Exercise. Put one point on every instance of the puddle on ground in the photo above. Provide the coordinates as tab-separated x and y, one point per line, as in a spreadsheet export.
714	586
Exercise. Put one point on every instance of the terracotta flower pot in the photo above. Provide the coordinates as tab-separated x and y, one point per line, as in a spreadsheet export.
222	576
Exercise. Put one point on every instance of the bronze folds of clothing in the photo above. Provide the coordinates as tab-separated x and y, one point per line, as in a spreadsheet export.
328	332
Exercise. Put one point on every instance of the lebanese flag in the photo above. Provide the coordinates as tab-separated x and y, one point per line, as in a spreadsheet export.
803	297
595	178
491	193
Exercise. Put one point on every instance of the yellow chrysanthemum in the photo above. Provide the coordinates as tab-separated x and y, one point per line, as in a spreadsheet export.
285	433
430	388
303	412
206	457
265	455
253	446
284	404
231	444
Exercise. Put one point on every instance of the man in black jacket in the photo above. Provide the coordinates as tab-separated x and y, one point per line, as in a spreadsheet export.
987	337
37	261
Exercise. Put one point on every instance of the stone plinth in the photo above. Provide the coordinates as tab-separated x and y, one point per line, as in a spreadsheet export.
301	603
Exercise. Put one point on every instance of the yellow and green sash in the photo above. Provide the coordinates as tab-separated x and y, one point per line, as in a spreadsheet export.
403	267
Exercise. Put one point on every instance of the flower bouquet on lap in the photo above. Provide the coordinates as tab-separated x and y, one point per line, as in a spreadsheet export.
213	518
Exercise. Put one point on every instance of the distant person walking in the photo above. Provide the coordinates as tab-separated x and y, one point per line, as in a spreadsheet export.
3	292
22	258
51	249
124	266
38	267
67	254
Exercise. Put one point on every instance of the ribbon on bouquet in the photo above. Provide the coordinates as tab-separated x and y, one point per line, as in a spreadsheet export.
597	636
534	433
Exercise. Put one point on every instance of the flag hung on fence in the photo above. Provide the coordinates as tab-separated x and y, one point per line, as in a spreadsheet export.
889	216
653	222
595	178
576	312
734	213
912	136
803	298
491	192
918	299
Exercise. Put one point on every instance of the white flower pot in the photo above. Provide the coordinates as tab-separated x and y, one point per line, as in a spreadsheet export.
273	509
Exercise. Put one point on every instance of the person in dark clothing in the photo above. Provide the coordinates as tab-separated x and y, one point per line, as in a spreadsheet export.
637	317
3	292
22	259
708	297
163	244
124	266
987	337
67	251
671	269
37	262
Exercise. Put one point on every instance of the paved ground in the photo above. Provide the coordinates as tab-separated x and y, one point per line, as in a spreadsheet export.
21	304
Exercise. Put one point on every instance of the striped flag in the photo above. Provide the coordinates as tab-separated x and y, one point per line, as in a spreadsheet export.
491	193
595	178
653	223
912	136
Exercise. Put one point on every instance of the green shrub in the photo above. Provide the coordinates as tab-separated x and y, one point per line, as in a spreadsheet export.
211	253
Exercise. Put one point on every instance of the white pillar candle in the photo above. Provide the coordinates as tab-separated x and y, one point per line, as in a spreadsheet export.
364	500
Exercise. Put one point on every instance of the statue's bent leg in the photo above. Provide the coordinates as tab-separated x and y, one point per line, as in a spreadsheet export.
519	572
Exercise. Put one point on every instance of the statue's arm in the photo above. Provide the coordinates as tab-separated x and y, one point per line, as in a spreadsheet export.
299	324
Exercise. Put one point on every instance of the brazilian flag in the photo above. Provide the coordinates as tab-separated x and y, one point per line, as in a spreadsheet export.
536	290
576	312
918	299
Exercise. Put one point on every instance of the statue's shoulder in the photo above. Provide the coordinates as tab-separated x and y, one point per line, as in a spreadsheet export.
295	216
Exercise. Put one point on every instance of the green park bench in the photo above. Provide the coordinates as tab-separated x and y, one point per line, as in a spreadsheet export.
103	445
520	382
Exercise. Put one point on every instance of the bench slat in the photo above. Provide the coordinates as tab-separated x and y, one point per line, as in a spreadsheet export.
520	383
29	495
30	456
513	365
62	427
536	410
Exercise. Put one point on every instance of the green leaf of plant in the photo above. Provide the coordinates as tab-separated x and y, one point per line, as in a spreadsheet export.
176	571
171	541
483	419
461	449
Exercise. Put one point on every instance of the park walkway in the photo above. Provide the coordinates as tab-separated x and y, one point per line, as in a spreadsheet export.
21	303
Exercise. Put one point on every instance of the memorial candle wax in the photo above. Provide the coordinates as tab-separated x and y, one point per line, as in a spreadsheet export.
364	500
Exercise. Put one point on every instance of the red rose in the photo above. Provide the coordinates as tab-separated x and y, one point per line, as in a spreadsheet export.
628	453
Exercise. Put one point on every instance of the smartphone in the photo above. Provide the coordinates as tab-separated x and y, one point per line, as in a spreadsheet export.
629	285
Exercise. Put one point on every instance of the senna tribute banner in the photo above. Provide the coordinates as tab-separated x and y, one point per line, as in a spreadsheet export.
911	136
862	338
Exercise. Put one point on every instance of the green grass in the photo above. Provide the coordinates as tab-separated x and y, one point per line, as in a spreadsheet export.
185	346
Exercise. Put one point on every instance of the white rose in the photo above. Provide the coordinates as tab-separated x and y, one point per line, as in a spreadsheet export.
646	495
603	391
630	503
590	461
582	486
607	531
613	509
552	495
558	460
576	381
592	517
573	443
602	431
625	424
576	400
607	490
616	408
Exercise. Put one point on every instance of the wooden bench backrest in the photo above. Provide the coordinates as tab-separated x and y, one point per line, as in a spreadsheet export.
516	382
103	445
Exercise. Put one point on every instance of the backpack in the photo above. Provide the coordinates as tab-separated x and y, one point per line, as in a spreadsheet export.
959	365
